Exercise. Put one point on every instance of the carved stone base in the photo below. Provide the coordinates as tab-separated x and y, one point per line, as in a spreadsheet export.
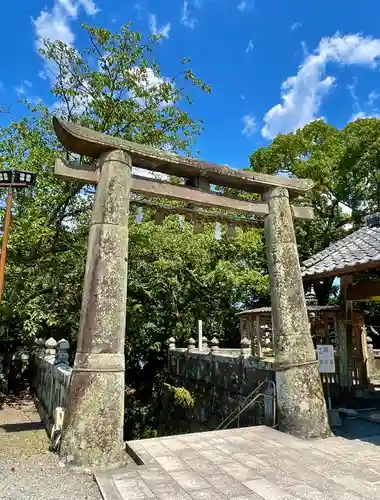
93	430
301	402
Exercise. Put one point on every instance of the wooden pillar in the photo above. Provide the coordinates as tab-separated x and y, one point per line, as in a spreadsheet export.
93	430
366	378
300	398
346	306
259	350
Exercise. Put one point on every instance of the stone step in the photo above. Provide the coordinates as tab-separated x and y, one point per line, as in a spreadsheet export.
254	463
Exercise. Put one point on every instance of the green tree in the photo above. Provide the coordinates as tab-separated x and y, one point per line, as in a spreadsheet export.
344	167
114	86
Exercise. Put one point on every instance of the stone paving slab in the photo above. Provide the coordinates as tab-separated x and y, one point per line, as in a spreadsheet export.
252	463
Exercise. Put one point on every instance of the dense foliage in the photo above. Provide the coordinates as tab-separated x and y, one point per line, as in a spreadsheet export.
344	167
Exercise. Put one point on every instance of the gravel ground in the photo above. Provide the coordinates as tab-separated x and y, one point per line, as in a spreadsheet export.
28	471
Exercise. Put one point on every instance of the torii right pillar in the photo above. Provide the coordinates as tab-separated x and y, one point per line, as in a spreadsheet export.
299	392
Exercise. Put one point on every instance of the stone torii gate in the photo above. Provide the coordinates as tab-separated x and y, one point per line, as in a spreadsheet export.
93	429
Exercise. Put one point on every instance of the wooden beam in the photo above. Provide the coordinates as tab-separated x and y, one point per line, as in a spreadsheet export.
160	189
87	142
364	290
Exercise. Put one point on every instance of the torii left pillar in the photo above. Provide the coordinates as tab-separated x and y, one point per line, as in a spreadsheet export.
93	430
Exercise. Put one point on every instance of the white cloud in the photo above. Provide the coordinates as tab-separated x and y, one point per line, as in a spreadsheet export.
185	19
249	47
54	24
20	90
244	5
89	6
302	94
372	97
369	110
147	80
360	115
249	125
156	30
295	26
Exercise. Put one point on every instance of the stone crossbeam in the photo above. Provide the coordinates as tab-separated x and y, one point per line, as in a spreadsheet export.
88	174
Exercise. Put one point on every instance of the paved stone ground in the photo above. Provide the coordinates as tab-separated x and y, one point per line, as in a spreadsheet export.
255	463
28	471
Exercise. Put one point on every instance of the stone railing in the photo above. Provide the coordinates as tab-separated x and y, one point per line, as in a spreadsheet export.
221	379
50	381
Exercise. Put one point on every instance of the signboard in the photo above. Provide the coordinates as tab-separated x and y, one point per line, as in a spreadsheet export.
326	358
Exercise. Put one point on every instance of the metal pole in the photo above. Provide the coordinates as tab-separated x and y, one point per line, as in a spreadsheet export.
6	229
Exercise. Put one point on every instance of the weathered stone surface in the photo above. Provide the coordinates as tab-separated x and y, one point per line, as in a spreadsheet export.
219	382
296	469
93	430
88	142
300	396
112	204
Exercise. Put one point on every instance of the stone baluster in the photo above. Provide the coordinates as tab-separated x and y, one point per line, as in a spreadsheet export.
50	346
245	346
62	353
371	364
40	347
191	345
171	343
214	345
204	343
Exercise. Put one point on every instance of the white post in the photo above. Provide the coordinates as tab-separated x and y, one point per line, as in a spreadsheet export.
200	335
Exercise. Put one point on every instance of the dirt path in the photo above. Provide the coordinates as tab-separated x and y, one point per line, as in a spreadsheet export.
28	471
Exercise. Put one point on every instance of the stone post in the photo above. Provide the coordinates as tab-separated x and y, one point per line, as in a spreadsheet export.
245	346
50	346
171	343
214	345
371	363
40	347
300	399
62	352
93	428
191	345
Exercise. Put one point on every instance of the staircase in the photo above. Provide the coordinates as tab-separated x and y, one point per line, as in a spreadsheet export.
252	463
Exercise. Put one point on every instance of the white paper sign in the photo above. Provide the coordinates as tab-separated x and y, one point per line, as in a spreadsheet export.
326	358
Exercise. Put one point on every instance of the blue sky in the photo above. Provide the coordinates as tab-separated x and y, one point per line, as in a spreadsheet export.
273	65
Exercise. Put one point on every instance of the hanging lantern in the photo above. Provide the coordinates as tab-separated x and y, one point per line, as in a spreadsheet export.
159	216
139	215
181	222
218	231
231	229
198	226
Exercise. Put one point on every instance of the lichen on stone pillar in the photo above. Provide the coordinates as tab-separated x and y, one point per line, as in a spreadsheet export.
300	398
93	428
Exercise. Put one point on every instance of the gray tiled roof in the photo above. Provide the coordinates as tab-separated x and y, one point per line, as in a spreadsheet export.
358	248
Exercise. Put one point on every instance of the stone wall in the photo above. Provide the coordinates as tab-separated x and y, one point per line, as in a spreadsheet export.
220	380
50	379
